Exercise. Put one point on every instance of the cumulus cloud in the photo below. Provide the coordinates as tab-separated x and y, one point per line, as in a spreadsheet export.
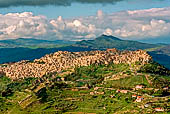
108	32
141	24
14	25
8	3
138	24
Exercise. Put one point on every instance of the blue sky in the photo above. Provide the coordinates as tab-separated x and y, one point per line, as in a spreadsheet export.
145	20
77	9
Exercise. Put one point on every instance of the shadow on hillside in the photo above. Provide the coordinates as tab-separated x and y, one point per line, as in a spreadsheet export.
18	54
161	59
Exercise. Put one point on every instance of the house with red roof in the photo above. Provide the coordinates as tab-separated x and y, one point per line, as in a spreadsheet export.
139	99
139	87
159	109
134	96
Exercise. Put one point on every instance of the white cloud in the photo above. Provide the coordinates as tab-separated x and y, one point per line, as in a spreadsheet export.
77	23
15	25
108	32
138	24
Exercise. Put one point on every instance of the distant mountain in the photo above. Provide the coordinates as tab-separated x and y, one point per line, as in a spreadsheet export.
159	52
18	54
161	55
164	50
32	43
30	49
104	42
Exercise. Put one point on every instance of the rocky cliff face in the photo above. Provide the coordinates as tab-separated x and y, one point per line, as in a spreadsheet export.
62	60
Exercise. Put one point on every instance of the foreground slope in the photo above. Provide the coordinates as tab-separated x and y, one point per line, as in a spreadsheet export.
130	84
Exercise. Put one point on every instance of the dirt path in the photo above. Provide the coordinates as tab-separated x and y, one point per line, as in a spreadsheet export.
147	78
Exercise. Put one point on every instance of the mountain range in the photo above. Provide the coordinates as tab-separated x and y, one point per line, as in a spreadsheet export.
103	42
30	49
33	43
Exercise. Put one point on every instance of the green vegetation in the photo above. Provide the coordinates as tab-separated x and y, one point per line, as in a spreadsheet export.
161	55
155	68
33	43
104	42
153	49
90	89
20	53
29	49
128	83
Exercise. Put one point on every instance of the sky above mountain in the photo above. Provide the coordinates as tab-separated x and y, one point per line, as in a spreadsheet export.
85	19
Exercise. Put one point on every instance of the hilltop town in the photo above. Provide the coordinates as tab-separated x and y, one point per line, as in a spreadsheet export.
110	81
62	60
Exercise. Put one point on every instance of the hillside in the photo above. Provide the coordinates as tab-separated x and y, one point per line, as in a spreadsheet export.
63	60
30	49
104	42
161	55
17	54
96	82
32	43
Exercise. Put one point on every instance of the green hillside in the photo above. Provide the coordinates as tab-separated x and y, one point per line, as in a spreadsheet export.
91	89
30	49
17	54
161	55
104	42
33	43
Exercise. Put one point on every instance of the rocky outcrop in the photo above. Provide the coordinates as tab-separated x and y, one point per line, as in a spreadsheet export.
62	60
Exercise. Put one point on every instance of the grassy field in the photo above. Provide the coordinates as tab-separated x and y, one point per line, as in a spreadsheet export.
78	93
